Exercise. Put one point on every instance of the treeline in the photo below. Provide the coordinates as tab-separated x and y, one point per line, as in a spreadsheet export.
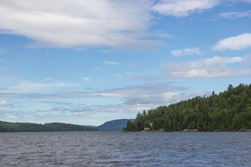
227	111
32	127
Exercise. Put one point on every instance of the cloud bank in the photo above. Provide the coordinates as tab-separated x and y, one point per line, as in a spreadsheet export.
152	92
213	67
59	23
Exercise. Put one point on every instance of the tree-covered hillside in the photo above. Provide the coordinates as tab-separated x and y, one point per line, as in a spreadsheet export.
227	111
114	125
32	127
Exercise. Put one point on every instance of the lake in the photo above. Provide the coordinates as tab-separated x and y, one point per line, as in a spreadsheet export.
94	149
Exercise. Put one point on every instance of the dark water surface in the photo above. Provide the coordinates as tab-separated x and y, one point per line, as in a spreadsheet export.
70	149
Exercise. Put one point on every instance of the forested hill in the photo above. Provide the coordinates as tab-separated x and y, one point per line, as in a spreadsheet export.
32	127
227	111
114	125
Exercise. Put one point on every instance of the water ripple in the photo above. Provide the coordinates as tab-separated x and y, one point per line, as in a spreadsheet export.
98	149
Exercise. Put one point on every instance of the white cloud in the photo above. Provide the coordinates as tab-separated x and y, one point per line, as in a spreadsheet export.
131	65
186	51
31	87
48	79
181	8
87	79
11	116
232	15
240	42
79	23
208	68
60	108
111	62
4	103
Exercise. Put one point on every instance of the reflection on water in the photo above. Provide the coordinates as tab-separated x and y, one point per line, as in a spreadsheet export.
125	149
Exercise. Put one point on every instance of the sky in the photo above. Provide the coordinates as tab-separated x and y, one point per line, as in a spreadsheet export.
87	62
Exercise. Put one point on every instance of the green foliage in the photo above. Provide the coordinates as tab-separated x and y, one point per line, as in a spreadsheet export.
31	127
228	111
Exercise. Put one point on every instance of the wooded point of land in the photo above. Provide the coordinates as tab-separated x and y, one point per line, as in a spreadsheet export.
227	111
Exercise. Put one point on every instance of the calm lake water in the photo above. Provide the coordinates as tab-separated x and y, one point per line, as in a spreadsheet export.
76	149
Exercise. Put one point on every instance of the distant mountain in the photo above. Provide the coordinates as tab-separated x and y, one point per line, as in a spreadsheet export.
114	125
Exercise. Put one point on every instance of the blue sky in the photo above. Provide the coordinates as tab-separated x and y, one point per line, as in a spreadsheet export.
87	62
